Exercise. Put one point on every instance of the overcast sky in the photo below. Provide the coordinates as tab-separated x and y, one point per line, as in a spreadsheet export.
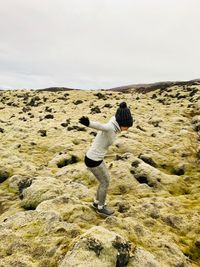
97	43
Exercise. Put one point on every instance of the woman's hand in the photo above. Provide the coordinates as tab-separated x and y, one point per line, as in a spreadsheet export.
84	120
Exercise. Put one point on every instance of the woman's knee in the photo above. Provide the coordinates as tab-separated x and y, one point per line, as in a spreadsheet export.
105	182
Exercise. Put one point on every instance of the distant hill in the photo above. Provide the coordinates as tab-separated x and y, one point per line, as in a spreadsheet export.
144	88
55	89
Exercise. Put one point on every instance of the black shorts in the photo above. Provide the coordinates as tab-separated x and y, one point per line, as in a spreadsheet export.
92	163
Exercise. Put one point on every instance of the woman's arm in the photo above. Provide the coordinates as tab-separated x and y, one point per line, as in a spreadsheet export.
94	124
99	126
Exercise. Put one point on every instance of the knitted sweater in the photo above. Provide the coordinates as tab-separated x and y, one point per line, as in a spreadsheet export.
105	137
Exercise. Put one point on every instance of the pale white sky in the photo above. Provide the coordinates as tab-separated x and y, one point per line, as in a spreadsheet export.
97	43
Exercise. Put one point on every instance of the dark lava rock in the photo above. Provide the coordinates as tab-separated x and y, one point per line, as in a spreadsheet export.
23	119
156	123
95	245
23	184
196	127
197	244
24	96
123	248
118	157
147	159
33	102
135	163
49	116
107	106
193	92
65	124
162	101
33	143
95	110
179	96
48	109
101	96
43	132
62	98
77	102
26	109
1	130
64	162
142	179
77	128
154	96
140	128
4	175
18	146
10	104
123	207
179	170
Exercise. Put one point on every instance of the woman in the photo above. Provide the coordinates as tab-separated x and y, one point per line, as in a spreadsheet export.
95	155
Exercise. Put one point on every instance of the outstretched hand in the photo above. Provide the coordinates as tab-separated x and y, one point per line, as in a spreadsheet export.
84	120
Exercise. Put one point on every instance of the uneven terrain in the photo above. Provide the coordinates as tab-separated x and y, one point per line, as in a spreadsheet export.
46	190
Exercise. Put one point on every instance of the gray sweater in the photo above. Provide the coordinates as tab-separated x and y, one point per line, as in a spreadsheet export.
105	137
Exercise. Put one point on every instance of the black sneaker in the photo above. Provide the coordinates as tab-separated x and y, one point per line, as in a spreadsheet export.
104	211
94	205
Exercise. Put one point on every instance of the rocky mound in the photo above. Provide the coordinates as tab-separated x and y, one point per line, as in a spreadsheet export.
46	190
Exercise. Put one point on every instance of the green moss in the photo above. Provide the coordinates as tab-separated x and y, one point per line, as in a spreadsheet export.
33	229
87	199
84	178
184	241
192	253
6	188
180	188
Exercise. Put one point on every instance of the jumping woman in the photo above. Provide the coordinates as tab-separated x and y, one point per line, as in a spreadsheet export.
94	157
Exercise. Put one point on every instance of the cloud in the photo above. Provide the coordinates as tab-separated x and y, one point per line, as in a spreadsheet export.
97	43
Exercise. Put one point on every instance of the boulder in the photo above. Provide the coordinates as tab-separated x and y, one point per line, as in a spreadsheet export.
18	183
62	160
41	189
69	208
95	110
144	173
179	169
103	248
31	238
101	96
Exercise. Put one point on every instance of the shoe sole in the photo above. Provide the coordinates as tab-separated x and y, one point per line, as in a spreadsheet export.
103	214
100	213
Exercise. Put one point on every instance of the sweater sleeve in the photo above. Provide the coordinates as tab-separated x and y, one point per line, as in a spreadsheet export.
99	126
